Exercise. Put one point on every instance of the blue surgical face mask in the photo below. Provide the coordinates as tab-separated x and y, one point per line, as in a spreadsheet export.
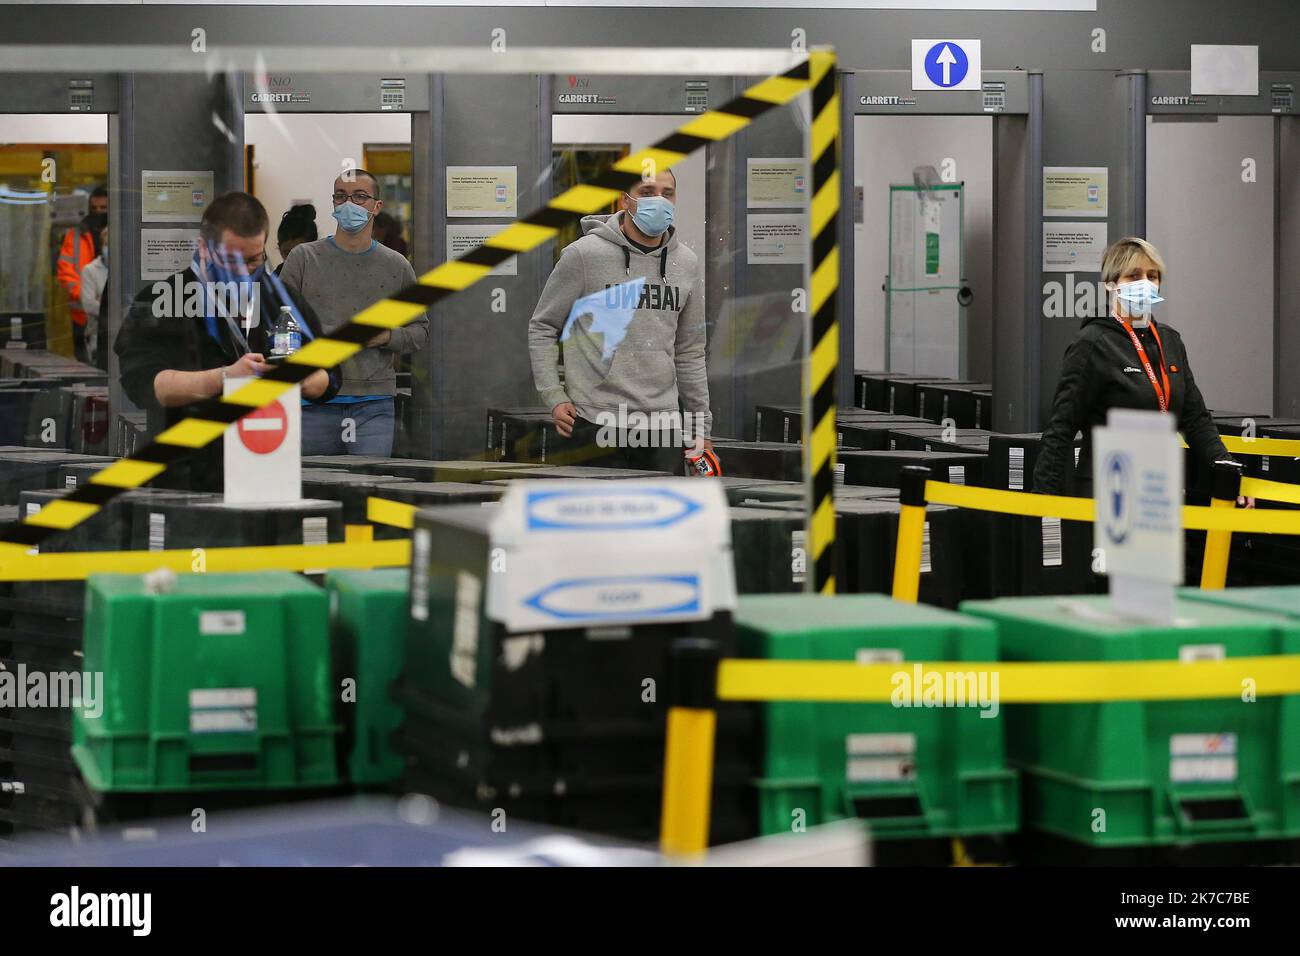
351	217
654	214
1138	297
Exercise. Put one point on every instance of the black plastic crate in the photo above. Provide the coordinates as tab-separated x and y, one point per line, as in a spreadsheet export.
882	469
968	404
769	550
774	461
350	490
30	469
167	524
888	391
569	472
77	474
927	439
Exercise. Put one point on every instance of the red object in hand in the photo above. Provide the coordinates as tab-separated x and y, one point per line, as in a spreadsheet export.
705	465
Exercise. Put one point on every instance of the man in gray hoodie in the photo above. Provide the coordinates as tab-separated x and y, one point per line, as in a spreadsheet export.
626	304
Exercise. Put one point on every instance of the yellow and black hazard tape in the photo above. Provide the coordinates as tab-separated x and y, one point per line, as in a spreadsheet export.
1018	682
819	437
215	415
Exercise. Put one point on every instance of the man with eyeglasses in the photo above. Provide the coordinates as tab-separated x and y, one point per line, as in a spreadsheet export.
341	275
184	336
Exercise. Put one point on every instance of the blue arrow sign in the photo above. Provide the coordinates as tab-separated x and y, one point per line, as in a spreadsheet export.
946	64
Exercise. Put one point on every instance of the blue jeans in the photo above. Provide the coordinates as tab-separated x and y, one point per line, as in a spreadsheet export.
349	428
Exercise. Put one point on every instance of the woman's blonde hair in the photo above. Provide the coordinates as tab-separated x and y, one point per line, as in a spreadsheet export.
1122	254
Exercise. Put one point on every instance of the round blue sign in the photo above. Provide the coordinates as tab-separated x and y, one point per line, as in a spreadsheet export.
946	64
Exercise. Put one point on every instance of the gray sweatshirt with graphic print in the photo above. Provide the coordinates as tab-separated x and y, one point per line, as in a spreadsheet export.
643	364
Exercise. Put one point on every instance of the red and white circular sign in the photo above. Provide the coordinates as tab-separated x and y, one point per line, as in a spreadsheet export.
263	431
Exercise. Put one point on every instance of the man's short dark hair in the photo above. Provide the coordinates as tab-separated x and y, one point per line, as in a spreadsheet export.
242	214
357	171
99	192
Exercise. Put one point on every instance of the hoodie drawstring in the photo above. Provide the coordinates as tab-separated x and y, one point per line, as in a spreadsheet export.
627	261
663	264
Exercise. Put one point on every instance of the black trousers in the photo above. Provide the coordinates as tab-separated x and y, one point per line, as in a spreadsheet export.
601	447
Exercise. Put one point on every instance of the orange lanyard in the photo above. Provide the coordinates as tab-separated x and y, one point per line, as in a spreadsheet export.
1162	394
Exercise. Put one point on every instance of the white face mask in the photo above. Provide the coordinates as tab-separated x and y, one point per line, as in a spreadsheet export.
1137	299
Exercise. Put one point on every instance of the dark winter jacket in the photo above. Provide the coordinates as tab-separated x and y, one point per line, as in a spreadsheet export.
1102	371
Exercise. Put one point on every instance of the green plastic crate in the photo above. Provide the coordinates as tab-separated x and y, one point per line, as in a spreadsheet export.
368	610
912	772
1160	773
221	683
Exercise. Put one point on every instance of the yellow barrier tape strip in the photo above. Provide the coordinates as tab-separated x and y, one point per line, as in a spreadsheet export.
1010	502
77	566
1016	682
1270	490
397	514
1282	447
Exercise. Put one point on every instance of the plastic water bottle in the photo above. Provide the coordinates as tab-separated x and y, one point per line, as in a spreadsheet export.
286	337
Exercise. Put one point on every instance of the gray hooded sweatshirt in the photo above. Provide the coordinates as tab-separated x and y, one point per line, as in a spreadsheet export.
643	364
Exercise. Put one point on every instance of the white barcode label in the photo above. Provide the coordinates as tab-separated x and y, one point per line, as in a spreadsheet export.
157	530
979	413
69	481
878	655
798	556
862	402
957	474
1077	449
893	444
839	438
32	508
920	403
1202	757
420	575
891	399
221	622
878	757
1051	542
758	425
316	530
945	406
1263	462
1189	653
925	548
464	630
223	710
839	473
785	429
1016	469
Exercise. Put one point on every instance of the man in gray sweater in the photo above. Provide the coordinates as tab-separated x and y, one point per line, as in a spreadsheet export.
340	276
626	303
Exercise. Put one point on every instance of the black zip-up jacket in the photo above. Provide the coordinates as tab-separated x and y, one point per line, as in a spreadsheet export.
149	343
1102	371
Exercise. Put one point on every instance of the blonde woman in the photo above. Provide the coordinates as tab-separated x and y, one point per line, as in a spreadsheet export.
1123	360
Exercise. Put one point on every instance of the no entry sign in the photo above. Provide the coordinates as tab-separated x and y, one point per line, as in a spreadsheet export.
263	431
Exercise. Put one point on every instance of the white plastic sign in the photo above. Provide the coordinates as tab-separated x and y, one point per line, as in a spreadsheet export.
263	451
946	65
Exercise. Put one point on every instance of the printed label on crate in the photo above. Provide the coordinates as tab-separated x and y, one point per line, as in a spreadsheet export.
944	414
957	474
420	574
315	530
1197	758
69	481
891	399
514	736
785	429
925	548
920	403
32	508
1263	462
12	786
221	622
798	556
157	530
877	757
515	651
878	655
1077	449
1051	542
1202	652
223	710
839	473
613	509
1016	469
464	633
616	596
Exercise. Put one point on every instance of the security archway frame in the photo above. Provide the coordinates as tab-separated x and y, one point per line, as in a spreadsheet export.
1014	100
1167	93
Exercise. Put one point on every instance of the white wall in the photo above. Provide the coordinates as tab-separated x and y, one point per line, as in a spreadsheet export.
299	155
53	128
886	149
639	132
1215	233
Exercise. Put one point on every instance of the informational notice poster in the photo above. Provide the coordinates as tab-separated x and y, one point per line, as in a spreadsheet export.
777	238
174	195
164	252
776	183
1075	191
482	191
463	237
1073	246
